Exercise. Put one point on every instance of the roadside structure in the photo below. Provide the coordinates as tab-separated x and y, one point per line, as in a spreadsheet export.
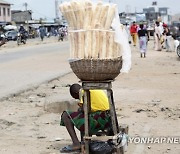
5	12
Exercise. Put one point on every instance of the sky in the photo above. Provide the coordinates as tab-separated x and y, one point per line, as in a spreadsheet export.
46	8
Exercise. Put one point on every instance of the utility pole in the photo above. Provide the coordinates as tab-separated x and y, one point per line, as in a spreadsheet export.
60	14
127	10
25	4
26	12
56	10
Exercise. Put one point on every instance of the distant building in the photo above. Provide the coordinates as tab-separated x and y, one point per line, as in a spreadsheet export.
127	17
5	12
164	15
163	11
149	10
176	17
151	14
21	17
155	13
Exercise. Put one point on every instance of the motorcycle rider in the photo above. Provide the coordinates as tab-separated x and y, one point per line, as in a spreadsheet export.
2	39
22	32
61	34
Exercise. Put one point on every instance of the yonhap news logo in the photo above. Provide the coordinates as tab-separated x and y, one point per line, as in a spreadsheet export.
121	140
154	140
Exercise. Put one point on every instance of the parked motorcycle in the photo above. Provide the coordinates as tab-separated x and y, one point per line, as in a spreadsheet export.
21	38
178	45
2	40
178	51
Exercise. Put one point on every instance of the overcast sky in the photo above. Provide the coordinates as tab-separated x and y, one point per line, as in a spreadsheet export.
46	8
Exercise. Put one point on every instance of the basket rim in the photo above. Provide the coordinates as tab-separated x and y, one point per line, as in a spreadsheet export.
92	59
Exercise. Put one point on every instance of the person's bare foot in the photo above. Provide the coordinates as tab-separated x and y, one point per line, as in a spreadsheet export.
70	148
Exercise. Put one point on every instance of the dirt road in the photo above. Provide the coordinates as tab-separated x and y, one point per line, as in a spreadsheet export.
147	99
26	67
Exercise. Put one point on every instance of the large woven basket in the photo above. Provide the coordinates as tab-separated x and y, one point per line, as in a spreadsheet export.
97	69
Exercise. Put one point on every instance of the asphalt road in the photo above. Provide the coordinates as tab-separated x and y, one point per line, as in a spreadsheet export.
23	68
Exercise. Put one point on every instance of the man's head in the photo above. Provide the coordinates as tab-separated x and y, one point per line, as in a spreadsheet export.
165	25
141	26
157	23
74	90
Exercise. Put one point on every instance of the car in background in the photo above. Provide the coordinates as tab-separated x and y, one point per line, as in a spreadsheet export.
175	29
11	35
177	45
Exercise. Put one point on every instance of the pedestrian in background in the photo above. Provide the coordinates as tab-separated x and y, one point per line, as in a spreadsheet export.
127	28
143	38
42	32
167	37
133	31
157	36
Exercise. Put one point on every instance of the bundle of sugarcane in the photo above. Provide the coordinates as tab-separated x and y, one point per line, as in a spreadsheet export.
90	30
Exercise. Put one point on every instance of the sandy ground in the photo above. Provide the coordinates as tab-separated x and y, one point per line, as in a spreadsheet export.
147	99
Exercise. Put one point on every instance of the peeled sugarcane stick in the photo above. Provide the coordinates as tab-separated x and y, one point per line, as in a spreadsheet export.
103	16
89	36
72	45
75	14
110	44
81	42
88	44
76	50
104	39
79	13
61	8
117	50
110	16
89	14
96	15
74	9
64	9
100	44
71	14
95	44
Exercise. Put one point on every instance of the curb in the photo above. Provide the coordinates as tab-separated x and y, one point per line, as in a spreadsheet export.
35	86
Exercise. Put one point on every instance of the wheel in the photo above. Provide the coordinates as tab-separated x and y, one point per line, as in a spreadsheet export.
24	41
178	50
18	41
59	38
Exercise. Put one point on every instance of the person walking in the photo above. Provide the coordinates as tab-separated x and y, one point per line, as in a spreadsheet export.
143	38
127	28
42	32
133	31
167	36
157	36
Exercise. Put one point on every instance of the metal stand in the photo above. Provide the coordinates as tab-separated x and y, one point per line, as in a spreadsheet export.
105	85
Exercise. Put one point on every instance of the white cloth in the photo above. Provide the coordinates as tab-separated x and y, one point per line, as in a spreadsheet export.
121	37
161	28
157	38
